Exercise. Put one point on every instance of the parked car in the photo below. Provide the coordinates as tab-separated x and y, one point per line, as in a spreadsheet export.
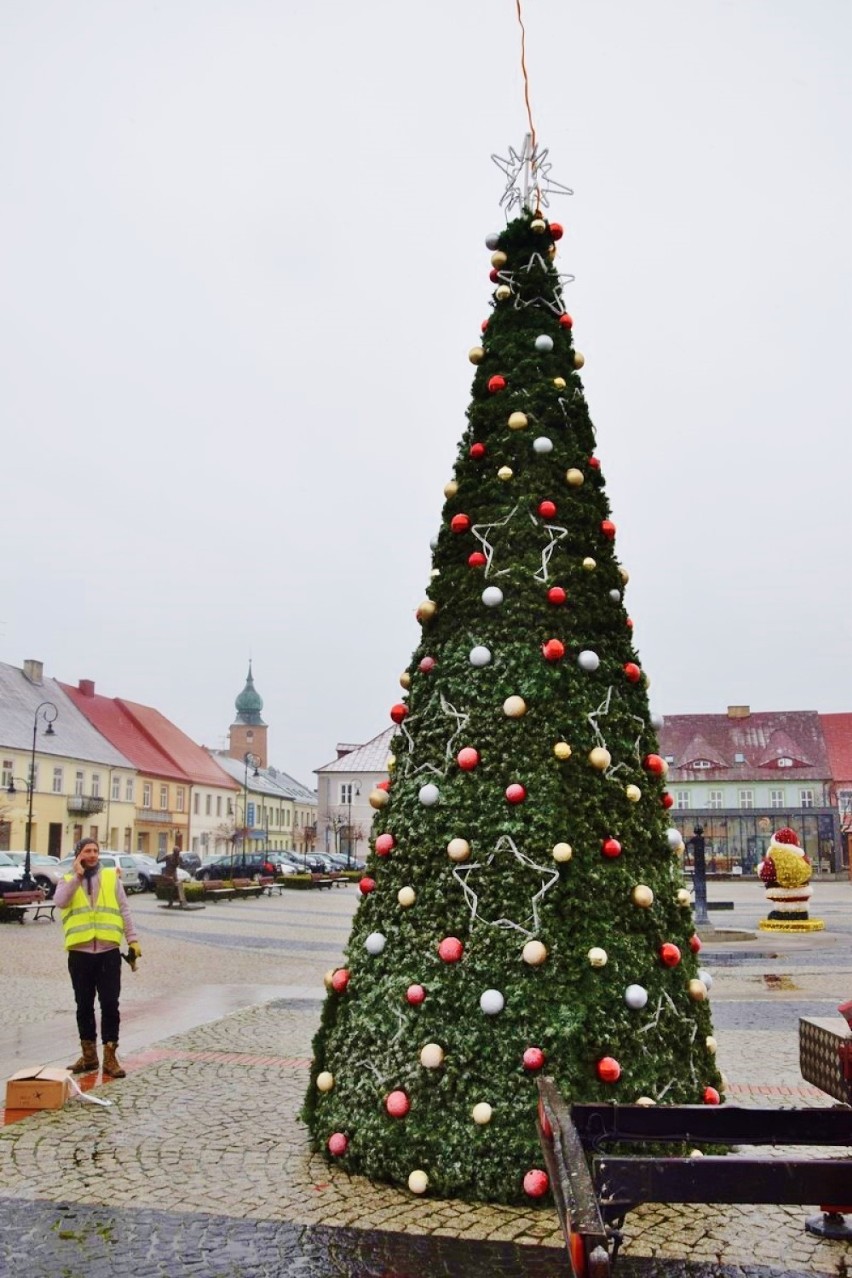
10	874
44	869
149	869
189	861
121	861
243	867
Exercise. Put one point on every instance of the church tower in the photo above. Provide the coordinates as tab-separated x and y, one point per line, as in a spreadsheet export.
247	734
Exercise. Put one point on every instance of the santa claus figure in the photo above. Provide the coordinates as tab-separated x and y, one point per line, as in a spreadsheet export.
786	872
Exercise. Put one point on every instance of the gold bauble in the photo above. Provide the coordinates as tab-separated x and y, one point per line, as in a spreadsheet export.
518	421
431	1055
696	1153
378	799
711	1044
590	564
579	359
534	953
476	354
696	990
642	896
481	1113
458	849
538	225
498	259
646	679
406	896
502	292
325	1081
514	707
624	575
435	572
644	1100
562	750
633	793
562	852
560	383
597	957
326	980
450	488
551	251
391	763
575	477
505	473
683	897
427	610
600	758
418	1182
405	679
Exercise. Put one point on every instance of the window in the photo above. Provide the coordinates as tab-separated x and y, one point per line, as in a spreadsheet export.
164	798
33	771
700	764
776	798
96	785
739	758
8	770
806	798
715	799
196	803
195	843
128	790
349	792
128	835
230	806
57	780
78	784
180	798
162	842
116	789
785	763
289	817
93	832
146	795
844	801
682	799
746	798
140	842
218	805
208	804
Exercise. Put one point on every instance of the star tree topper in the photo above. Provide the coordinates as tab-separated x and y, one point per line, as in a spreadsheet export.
528	171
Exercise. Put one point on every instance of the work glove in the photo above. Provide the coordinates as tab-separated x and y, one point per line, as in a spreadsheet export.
135	949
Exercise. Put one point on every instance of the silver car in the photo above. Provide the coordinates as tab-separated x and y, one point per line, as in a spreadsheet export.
121	861
44	869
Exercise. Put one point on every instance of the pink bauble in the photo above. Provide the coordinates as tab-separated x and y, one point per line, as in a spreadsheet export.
337	1144
670	954
366	886
384	844
467	759
711	1096
536	1183
611	847
340	980
515	793
695	943
608	1069
415	994
533	1058
450	949
397	1104
427	664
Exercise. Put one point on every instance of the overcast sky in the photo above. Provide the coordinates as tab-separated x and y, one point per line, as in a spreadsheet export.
242	261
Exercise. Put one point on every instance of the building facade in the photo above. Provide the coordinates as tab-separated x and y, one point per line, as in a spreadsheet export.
344	815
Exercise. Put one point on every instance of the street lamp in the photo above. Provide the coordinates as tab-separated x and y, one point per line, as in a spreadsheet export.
699	874
353	786
49	713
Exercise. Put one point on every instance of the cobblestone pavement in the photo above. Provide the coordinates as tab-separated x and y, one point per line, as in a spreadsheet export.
200	1165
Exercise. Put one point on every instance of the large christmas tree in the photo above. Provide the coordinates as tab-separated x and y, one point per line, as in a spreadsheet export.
523	907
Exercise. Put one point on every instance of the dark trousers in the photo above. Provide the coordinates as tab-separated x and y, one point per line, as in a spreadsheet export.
96	974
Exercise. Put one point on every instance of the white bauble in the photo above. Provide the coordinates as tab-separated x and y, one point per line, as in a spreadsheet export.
458	850
710	1044
479	656
615	596
429	795
658	722
544	343
683	897
481	1113
492	239
491	1002
418	1182
375	943
634	794
492	596
597	957
636	996
406	896
431	1056
704	975
514	707
674	838
542	445
534	953
588	660
562	852
325	1081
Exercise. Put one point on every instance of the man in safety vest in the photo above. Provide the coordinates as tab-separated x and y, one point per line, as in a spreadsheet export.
95	916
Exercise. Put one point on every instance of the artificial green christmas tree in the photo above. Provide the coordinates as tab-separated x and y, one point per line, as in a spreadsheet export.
523	908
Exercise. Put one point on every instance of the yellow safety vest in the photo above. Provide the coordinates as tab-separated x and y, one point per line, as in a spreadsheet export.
102	922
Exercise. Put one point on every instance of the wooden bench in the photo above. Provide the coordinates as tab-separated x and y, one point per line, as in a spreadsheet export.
322	880
593	1191
217	890
22	903
247	887
267	883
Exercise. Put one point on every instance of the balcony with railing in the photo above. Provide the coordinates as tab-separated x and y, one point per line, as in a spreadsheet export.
154	816
84	804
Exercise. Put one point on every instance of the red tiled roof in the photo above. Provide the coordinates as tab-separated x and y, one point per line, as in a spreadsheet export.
837	730
761	738
152	743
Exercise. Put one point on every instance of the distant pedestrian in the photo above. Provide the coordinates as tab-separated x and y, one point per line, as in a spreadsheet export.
171	871
95	917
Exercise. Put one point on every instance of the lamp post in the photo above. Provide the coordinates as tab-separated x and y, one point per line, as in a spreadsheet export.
699	874
352	787
49	713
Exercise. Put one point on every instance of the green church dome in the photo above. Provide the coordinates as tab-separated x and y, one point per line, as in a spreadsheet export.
249	703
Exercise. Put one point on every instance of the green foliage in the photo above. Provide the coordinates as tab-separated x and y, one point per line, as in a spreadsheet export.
512	889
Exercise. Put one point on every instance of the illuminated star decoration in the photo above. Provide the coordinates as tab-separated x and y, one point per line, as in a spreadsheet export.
381	1079
527	172
555	303
481	532
461	719
548	877
686	1020
600	713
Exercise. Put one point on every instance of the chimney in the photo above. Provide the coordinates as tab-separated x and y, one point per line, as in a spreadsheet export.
34	671
739	712
86	687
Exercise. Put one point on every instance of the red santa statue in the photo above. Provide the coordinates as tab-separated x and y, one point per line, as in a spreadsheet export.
786	872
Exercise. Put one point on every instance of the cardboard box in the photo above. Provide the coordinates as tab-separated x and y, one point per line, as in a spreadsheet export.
38	1087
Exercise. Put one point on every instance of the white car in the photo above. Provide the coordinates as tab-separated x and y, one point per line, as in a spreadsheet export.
44	869
10	874
121	861
149	869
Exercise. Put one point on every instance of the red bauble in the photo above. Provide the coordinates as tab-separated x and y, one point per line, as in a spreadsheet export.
670	954
594	463
544	1122
383	785
427	664
483	326
493	276
340	980
384	844
533	1058
565	321
634	674
397	1104
536	1183
366	886
711	1096
666	799
556	595
515	793
654	764
477	451
337	1144
556	230
460	523
398	712
695	942
467	759
547	509
476	559
496	383
629	623
553	650
611	847
608	529
608	1069
415	994
450	949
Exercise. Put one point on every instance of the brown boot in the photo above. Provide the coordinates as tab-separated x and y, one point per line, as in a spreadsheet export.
88	1062
111	1062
